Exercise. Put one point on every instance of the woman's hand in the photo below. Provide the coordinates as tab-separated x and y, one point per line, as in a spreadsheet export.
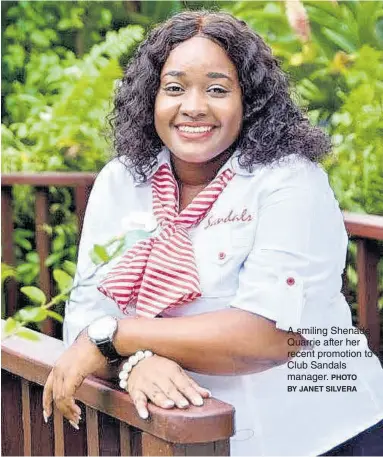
75	364
165	384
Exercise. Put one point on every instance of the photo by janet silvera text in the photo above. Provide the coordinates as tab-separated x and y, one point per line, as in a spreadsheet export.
320	359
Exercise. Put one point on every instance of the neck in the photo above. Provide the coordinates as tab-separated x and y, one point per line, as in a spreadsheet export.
197	174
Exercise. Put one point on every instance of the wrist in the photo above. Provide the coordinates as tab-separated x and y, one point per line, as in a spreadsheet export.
101	334
128	366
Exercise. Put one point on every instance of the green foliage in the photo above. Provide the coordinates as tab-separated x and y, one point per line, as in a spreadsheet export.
356	168
56	105
58	113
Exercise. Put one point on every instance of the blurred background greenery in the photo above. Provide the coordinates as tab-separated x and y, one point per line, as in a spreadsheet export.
61	61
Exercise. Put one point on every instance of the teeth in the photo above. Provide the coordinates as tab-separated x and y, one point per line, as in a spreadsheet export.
188	129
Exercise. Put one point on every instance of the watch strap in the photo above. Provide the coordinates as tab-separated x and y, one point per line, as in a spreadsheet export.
108	350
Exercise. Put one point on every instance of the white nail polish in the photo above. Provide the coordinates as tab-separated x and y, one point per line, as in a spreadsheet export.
198	401
74	425
143	413
45	417
184	403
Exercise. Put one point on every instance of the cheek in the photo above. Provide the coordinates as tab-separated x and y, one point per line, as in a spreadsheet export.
164	109
233	116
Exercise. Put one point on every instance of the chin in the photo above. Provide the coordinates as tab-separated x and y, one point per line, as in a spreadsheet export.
192	155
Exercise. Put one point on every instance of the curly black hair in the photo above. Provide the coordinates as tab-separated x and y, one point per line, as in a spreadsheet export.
273	125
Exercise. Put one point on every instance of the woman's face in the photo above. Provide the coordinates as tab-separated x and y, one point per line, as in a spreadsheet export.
198	107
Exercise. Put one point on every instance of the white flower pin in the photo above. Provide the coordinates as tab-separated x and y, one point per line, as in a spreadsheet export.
139	220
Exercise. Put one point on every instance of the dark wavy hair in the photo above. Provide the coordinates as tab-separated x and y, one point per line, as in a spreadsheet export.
273	125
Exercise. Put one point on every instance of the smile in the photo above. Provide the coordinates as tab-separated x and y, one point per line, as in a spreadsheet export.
195	133
185	128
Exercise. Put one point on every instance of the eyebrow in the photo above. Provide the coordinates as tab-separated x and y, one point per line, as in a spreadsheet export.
212	74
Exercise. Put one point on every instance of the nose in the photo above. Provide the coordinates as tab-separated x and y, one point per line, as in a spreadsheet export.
194	104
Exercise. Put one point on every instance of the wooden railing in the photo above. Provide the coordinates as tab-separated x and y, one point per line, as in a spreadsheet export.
367	230
81	183
109	424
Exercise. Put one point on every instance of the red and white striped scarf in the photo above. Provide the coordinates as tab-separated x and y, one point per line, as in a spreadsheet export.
160	272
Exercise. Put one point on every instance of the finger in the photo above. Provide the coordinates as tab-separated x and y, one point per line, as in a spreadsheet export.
205	393
157	396
48	397
60	400
68	405
62	395
140	402
182	381
171	391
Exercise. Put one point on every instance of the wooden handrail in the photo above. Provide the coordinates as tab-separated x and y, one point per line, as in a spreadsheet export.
44	179
33	361
364	225
212	423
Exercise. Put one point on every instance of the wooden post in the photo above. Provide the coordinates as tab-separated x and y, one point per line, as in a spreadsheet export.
7	248
81	199
43	249
367	269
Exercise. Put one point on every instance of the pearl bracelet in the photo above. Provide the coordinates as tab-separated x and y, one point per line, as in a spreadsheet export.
128	366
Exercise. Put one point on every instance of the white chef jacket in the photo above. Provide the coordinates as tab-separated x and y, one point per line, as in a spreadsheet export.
273	244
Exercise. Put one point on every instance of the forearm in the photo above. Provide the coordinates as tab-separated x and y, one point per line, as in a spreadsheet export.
224	342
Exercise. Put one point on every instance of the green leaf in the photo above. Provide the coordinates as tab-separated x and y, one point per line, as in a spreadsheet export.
64	281
54	258
28	334
339	39
34	294
69	267
31	314
55	316
101	252
10	325
6	272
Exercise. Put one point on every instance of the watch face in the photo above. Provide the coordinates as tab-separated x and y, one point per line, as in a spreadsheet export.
102	329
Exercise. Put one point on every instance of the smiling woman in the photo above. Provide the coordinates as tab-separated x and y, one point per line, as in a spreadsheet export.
247	251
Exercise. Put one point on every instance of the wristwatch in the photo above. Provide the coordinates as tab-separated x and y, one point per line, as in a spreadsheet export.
101	333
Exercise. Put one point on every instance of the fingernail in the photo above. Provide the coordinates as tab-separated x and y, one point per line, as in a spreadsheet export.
168	403
143	413
198	401
184	403
46	417
209	393
74	425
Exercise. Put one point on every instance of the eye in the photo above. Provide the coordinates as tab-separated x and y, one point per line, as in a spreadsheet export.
173	89
218	90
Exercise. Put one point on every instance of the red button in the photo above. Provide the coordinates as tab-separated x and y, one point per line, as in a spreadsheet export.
222	255
290	281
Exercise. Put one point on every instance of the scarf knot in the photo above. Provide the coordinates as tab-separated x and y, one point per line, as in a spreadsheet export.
160	272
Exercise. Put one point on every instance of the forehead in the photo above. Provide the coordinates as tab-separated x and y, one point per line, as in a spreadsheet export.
199	53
